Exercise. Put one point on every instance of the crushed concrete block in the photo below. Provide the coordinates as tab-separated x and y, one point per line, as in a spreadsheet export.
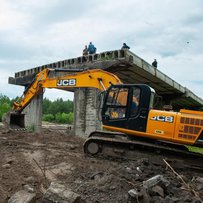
138	169
133	193
61	193
22	196
28	188
156	180
158	190
197	180
164	183
152	181
198	183
72	147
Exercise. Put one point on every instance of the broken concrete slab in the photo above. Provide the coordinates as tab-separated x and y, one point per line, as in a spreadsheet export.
198	180
61	193
22	196
133	193
158	179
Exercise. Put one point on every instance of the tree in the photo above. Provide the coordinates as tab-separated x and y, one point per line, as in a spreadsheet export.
48	117
58	106
5	105
53	111
59	111
70	118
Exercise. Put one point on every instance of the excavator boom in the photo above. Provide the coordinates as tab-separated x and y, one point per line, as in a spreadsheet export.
64	80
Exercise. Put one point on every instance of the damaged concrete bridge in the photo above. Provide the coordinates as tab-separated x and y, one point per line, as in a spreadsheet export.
129	67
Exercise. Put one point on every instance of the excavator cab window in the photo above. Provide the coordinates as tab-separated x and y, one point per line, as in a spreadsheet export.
127	106
151	102
117	103
135	101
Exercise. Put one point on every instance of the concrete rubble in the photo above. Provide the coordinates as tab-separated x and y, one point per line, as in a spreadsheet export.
159	189
64	174
27	195
61	193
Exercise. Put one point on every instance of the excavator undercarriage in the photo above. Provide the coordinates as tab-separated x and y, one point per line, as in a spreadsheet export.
117	145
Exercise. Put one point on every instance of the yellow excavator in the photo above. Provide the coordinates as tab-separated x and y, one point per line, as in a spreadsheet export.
127	109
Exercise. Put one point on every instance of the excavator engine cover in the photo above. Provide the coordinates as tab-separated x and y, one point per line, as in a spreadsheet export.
14	120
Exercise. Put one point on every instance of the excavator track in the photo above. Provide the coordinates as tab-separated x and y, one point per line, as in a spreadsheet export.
120	146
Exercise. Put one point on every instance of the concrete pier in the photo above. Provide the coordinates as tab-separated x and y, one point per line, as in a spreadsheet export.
86	111
33	114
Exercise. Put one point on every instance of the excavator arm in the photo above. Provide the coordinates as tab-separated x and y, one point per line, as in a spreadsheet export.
30	92
50	78
45	79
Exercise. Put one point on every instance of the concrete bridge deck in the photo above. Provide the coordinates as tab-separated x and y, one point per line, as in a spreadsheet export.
129	68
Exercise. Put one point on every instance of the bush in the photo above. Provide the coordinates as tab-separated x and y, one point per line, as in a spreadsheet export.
62	118
4	108
48	117
70	118
58	111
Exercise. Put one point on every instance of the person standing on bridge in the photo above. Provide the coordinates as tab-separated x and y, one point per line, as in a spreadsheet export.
91	48
125	46
85	51
155	63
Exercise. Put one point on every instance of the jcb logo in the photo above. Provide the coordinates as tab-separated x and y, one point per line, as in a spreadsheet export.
168	119
70	82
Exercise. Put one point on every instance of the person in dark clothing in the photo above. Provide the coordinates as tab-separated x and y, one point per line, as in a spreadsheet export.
85	51
91	48
155	63
125	46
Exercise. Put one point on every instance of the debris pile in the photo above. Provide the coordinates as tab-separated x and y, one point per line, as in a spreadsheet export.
159	189
51	167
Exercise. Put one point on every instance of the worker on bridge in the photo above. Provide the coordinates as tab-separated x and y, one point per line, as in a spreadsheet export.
155	63
91	48
125	46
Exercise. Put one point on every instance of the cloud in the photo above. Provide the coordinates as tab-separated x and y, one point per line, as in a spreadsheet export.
10	18
38	32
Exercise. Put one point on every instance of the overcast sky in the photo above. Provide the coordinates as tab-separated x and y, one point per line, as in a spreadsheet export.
37	32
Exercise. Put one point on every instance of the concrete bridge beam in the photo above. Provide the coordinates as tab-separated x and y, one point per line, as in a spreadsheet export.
129	67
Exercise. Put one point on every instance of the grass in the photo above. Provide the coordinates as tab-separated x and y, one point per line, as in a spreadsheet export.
195	149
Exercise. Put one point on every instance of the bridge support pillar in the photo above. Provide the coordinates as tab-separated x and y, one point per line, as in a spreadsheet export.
33	114
86	111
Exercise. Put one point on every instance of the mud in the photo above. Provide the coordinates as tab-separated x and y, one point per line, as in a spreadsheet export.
55	155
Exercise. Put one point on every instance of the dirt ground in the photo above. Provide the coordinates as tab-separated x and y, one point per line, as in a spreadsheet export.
55	155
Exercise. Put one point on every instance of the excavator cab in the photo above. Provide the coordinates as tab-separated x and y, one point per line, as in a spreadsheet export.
127	106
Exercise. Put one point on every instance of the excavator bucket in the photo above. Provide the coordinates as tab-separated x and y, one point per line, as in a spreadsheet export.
14	121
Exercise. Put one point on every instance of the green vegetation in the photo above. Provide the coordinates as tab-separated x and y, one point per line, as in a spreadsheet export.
195	149
5	105
58	111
